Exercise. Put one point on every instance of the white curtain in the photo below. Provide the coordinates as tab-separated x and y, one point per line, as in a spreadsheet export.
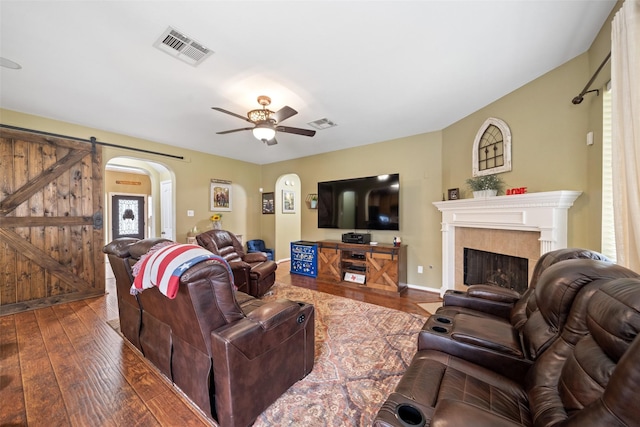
625	85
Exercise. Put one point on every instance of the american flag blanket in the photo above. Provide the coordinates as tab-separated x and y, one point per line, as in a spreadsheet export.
164	266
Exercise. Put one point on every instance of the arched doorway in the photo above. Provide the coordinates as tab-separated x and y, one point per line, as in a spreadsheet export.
143	185
288	214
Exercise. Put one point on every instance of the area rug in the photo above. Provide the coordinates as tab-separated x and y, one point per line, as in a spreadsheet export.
430	307
361	352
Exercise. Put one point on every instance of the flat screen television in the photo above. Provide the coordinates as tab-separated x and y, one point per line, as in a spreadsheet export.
368	203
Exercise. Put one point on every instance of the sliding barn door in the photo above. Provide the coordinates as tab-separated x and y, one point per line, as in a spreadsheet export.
51	234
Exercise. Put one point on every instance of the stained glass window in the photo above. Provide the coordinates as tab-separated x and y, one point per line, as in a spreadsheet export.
127	222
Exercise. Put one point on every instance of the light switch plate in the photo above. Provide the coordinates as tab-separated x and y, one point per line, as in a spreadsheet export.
190	213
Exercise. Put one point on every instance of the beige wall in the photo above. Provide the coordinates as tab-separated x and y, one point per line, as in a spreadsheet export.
192	175
416	158
123	183
549	150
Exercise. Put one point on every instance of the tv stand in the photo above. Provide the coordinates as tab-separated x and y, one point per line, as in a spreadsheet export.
383	265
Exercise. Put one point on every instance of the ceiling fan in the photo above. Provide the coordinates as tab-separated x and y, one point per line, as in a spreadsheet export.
267	122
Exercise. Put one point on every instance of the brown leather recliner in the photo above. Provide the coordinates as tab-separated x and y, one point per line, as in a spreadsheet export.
494	301
588	377
233	355
253	273
129	310
497	344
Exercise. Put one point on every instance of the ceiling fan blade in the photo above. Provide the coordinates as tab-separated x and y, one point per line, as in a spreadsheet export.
222	110
272	141
232	130
284	113
297	131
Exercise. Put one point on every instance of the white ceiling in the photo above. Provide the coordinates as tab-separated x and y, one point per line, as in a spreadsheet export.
379	69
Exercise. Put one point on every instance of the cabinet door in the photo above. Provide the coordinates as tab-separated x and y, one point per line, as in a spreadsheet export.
329	264
383	270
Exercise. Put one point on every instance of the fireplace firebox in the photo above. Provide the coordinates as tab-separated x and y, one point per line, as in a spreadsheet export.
481	267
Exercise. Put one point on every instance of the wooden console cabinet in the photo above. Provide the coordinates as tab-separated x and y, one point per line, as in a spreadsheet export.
384	266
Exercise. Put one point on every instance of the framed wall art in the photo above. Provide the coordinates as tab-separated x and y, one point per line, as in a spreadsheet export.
453	193
288	201
268	203
220	195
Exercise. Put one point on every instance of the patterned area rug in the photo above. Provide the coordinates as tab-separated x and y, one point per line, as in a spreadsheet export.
361	352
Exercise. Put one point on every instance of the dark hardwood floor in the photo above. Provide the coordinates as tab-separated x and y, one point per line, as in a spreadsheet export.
65	366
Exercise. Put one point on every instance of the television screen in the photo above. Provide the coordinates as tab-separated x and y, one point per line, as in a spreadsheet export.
369	203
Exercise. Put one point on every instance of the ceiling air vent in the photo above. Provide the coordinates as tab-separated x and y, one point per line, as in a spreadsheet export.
182	47
322	124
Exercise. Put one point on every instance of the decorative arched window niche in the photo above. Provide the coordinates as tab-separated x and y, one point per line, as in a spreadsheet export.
492	148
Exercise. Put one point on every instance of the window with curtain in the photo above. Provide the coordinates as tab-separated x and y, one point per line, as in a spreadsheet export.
608	245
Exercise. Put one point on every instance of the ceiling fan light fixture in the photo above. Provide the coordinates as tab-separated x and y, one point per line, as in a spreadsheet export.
264	132
261	115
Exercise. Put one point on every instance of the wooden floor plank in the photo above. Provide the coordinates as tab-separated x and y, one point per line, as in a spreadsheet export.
148	383
122	355
10	376
43	400
169	414
102	351
76	374
64	365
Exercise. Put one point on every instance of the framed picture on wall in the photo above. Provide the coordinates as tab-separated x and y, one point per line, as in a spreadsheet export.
220	196
288	201
268	203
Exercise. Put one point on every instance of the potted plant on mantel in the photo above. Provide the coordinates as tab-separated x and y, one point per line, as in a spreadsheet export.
485	185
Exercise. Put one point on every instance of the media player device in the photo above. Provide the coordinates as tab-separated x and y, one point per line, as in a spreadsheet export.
359	238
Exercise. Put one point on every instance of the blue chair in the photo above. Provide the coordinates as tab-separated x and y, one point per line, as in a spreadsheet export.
257	245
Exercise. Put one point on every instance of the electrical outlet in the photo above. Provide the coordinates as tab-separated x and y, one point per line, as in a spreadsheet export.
590	138
419	269
190	213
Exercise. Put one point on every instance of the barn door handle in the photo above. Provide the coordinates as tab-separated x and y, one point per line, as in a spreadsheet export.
97	220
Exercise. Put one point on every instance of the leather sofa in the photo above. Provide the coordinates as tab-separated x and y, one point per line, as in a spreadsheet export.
496	343
232	354
494	301
253	272
586	375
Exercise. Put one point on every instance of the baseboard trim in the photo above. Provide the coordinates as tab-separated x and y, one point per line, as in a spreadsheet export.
426	289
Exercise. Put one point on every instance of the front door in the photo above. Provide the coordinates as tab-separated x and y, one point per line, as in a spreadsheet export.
127	216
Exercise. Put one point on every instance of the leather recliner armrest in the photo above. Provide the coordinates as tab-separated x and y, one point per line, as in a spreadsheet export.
488	299
493	293
265	327
241	275
271	315
507	364
449	412
258	358
252	257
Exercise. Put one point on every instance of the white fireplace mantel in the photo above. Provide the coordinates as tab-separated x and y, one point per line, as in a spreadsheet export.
544	212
